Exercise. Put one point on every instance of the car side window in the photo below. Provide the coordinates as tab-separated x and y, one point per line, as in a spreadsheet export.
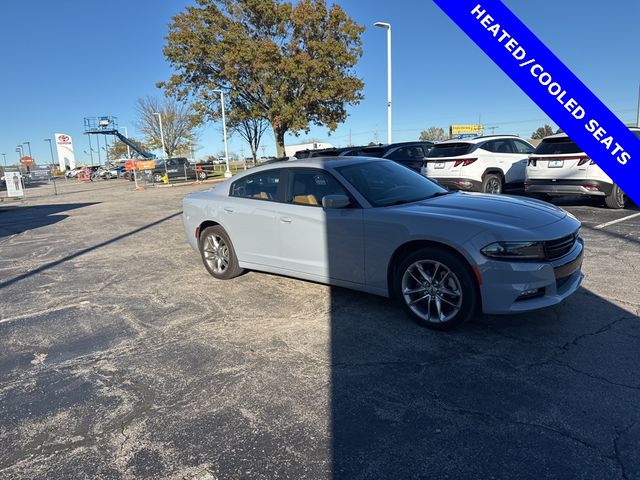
523	147
407	154
309	187
260	186
499	146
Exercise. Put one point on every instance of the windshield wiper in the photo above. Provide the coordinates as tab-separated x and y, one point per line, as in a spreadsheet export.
438	194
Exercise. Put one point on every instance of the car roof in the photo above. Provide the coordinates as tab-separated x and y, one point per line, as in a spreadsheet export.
313	162
564	135
480	139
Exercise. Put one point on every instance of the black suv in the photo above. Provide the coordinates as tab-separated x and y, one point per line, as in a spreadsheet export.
176	168
409	154
329	152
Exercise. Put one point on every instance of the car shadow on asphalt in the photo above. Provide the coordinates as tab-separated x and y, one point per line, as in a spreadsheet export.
19	219
502	397
78	253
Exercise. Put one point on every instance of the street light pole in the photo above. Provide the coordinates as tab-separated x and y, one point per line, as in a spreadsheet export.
388	27
227	174
28	144
161	132
4	155
162	141
20	151
51	149
126	134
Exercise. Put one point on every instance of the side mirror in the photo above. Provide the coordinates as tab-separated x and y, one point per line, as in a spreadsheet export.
335	201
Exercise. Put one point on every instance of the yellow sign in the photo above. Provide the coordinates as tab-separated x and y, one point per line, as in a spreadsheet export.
465	129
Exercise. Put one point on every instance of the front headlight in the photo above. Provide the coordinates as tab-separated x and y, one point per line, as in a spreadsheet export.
515	250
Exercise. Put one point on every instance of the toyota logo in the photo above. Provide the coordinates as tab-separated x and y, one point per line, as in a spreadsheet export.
64	138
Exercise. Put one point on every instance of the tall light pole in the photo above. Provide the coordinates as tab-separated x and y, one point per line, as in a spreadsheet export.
638	118
227	174
388	27
90	148
51	149
161	132
4	155
162	141
126	134
20	151
28	144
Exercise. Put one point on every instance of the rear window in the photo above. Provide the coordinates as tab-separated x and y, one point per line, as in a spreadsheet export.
449	150
557	146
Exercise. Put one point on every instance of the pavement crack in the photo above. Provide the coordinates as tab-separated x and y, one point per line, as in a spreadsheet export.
618	454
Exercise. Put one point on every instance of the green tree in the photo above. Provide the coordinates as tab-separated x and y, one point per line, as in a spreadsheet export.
542	132
178	124
291	65
434	134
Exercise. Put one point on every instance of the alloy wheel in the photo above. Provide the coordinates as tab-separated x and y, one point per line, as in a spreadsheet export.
493	186
216	253
432	291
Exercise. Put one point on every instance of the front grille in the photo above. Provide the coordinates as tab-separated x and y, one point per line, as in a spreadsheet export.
555	249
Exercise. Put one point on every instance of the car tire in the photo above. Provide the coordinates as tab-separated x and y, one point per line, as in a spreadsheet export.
436	288
218	254
616	199
492	183
157	178
202	175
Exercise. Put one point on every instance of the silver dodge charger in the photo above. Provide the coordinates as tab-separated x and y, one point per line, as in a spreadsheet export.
376	226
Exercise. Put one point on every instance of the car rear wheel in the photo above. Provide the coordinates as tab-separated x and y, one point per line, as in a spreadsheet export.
492	183
218	254
616	199
436	288
202	175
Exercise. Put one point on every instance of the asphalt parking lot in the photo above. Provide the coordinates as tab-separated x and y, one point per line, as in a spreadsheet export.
120	357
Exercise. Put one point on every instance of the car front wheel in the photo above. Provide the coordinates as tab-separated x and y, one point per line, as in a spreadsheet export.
436	288
218	254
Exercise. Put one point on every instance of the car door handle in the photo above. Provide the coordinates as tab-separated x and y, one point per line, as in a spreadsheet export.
285	219
228	209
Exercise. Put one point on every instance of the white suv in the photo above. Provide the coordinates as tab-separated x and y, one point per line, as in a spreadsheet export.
560	167
490	164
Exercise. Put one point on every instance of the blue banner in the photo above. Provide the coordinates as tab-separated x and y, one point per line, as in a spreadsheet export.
549	83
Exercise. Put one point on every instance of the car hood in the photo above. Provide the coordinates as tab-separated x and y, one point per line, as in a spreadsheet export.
516	212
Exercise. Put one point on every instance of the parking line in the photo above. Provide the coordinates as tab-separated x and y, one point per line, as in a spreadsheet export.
598	227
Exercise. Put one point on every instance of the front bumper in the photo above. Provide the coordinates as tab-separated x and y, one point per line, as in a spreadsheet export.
504	282
569	187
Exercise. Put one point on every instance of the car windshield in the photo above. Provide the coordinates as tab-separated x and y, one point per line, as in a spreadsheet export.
440	150
385	183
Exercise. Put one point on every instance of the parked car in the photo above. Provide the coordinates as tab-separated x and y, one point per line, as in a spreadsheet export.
179	167
375	226
488	164
73	173
409	154
560	167
328	152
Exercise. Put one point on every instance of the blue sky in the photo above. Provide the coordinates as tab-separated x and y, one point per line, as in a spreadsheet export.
61	61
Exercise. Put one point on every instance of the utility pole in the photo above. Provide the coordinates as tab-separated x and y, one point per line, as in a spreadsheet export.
126	134
51	149
638	118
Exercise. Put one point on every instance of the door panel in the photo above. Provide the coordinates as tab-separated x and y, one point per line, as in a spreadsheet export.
328	243
249	215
